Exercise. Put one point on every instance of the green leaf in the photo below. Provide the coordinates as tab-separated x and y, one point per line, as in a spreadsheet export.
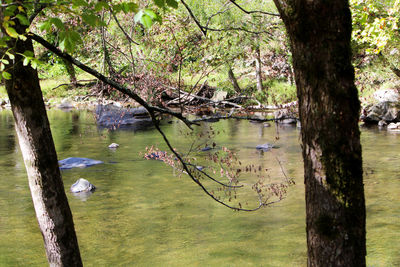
23	19
146	21
11	32
91	19
10	10
138	16
101	5
5	61
6	75
159	3
69	40
78	3
28	53
45	26
58	23
10	56
150	13
172	3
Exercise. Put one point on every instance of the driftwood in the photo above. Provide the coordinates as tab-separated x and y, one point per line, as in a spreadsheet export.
229	116
190	97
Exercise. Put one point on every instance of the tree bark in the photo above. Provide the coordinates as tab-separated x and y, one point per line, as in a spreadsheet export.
320	33
258	69
71	72
233	80
31	123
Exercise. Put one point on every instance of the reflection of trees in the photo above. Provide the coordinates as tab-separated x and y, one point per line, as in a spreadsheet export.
7	138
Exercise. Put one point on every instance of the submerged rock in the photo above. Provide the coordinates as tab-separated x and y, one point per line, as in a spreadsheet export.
111	116
82	185
204	149
266	147
73	162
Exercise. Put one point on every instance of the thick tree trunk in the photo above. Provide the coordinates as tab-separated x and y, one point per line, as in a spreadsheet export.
320	33
233	80
37	147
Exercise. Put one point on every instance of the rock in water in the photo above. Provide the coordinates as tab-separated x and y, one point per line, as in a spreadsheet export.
110	116
113	145
82	185
73	162
265	147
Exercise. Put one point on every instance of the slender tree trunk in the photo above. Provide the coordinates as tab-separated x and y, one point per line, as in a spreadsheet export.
37	147
233	80
71	72
258	69
320	34
107	59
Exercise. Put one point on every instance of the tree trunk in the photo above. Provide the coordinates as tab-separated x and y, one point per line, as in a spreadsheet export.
258	69
320	34
71	72
233	80
37	147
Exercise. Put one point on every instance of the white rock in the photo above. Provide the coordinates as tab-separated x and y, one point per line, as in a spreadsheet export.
82	185
386	95
394	126
113	145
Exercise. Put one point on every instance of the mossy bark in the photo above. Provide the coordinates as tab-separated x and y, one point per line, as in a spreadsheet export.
319	33
32	126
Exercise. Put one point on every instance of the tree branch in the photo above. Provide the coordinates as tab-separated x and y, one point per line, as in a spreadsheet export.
122	29
202	29
151	109
253	12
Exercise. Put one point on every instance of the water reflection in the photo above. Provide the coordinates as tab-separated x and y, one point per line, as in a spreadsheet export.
143	215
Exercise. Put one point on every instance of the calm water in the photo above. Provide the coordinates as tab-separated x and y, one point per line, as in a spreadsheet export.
143	214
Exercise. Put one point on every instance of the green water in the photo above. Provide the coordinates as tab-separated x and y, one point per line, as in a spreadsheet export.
143	214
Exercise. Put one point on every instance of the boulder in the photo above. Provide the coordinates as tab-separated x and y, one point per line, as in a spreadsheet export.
219	96
285	116
386	111
111	116
387	95
82	185
73	162
394	126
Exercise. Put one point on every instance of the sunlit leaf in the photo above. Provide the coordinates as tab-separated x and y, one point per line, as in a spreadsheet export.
6	75
11	32
25	62
146	21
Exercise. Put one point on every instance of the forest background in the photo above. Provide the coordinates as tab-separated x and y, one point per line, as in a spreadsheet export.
211	43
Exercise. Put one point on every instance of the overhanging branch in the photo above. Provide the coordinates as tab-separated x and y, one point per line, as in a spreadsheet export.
151	109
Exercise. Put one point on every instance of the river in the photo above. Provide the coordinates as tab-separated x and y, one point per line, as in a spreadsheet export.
144	214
